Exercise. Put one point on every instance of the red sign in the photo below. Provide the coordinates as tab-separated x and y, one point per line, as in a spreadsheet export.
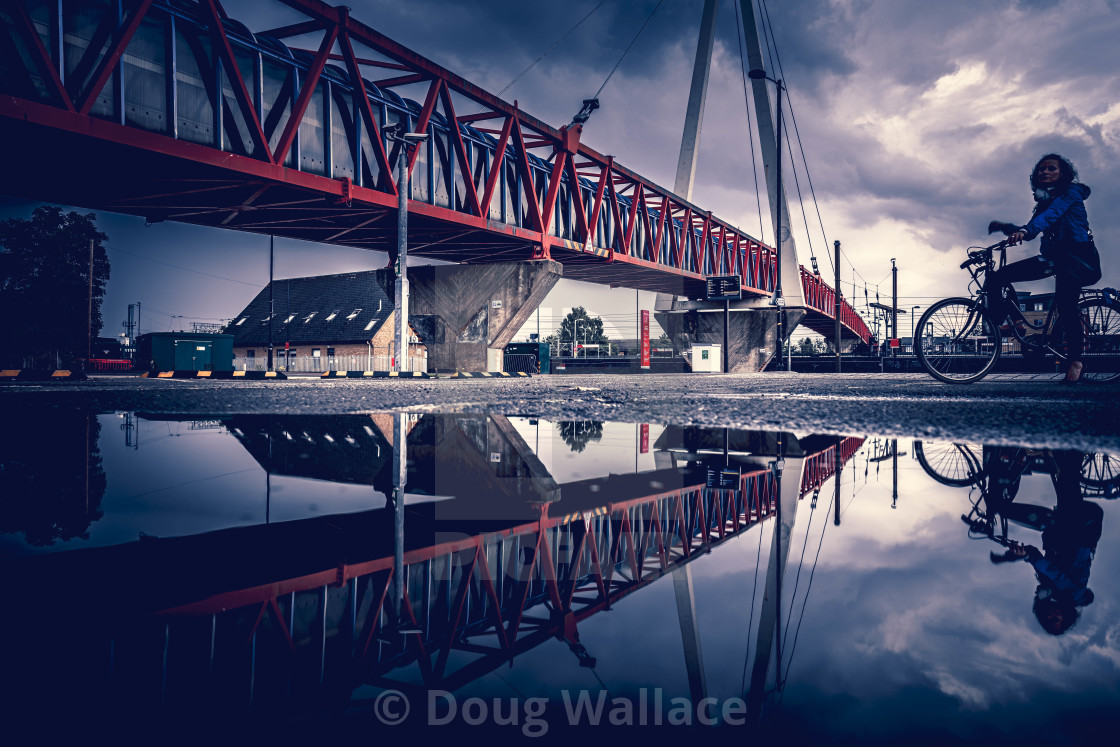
645	338
644	448
894	342
287	345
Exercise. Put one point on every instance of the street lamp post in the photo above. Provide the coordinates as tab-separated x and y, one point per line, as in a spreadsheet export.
408	142
776	299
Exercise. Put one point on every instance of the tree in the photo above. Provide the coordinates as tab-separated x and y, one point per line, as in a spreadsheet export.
579	327
578	433
45	286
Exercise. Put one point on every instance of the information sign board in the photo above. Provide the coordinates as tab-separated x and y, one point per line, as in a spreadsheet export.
723	288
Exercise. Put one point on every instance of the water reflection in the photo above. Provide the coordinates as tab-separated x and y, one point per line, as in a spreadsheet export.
307	565
1069	532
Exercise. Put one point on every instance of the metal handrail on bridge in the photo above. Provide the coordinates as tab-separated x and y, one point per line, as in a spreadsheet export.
819	296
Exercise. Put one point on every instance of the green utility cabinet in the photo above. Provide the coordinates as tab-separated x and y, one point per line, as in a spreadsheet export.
184	351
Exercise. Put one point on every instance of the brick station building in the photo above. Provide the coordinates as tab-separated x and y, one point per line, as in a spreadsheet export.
339	322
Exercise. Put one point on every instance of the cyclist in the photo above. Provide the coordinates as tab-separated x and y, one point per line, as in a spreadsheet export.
1067	249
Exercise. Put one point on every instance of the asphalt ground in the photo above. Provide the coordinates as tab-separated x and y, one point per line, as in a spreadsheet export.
1032	411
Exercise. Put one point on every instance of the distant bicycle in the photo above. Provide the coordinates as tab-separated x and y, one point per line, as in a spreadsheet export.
959	340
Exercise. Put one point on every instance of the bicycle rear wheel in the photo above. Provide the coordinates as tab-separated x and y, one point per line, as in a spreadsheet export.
952	464
955	343
1101	353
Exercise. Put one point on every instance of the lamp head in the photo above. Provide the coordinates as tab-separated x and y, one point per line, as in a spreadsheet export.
757	74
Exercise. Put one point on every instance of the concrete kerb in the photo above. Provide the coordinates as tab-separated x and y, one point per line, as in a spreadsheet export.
375	375
487	375
217	375
424	375
14	375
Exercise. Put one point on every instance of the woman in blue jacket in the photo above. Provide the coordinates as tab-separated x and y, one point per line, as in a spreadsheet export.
1067	251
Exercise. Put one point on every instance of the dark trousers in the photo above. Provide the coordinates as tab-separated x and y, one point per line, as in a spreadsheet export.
1066	294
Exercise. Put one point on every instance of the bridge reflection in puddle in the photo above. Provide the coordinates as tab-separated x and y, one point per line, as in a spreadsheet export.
307	566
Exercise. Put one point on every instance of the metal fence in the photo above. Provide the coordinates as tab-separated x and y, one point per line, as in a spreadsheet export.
309	364
521	363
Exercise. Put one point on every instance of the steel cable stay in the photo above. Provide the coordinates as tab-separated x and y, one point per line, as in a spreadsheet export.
775	56
800	565
545	53
776	65
591	104
750	619
804	159
805	601
775	62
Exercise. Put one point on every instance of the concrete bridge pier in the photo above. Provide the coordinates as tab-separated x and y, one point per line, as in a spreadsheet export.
752	330
466	314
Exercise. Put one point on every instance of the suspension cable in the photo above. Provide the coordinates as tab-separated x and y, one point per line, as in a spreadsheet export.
557	43
808	588
750	619
627	50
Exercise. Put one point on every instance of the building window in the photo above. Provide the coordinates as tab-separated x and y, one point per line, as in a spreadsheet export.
330	352
308	318
353	315
332	315
250	353
315	353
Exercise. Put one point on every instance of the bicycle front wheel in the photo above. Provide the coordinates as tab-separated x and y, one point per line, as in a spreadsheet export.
1101	325
955	343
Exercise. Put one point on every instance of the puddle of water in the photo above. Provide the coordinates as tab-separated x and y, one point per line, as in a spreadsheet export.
482	570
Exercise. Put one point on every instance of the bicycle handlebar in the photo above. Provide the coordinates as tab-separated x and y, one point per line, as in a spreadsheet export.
977	256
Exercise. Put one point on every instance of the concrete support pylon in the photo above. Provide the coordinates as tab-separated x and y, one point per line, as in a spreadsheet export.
767	655
465	315
752	334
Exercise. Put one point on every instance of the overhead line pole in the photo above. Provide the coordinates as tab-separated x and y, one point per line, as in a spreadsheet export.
836	296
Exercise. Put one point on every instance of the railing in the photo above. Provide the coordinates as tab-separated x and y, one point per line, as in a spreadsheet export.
311	364
108	364
822	298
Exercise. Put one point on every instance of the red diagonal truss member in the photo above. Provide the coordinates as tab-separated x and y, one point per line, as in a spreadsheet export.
654	239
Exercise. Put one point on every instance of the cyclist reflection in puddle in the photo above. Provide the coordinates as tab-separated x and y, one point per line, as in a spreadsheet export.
1069	540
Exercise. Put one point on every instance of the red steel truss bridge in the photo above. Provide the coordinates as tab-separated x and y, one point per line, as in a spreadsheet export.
173	111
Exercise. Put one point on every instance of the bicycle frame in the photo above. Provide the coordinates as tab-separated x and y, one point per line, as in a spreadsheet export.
982	262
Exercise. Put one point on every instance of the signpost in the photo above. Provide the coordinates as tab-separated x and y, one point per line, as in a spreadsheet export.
725	288
645	339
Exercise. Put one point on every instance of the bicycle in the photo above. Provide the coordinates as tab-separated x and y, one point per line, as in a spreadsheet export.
959	340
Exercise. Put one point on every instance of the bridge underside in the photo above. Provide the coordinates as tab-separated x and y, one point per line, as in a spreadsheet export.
173	184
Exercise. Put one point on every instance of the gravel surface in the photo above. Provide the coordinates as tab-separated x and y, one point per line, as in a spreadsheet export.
1030	411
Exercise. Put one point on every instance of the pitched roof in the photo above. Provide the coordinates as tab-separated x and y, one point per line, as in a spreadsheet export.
349	307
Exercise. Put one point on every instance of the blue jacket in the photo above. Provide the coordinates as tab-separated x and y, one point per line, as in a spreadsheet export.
1061	220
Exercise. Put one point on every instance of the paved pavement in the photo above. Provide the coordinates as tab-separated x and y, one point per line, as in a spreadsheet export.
1032	411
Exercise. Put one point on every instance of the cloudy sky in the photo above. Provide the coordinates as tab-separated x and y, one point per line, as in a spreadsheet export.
919	122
